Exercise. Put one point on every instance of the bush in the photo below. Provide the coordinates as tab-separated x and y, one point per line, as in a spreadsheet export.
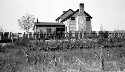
22	42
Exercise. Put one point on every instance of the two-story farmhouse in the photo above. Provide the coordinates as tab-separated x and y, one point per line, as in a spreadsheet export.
78	20
70	20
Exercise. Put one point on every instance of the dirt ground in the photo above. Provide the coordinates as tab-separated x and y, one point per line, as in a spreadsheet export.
22	59
75	61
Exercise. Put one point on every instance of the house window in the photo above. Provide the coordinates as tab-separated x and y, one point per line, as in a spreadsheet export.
87	19
72	18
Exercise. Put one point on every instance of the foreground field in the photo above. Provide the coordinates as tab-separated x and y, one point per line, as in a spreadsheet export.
62	56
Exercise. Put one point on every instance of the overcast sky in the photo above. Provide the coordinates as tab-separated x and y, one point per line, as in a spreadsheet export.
109	13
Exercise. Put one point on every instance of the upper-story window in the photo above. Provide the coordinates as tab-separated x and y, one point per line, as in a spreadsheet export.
72	18
87	18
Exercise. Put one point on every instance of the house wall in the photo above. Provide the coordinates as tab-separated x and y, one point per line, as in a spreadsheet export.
71	24
80	23
89	27
44	29
67	22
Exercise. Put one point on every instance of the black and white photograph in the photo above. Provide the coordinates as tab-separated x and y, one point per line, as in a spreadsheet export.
62	35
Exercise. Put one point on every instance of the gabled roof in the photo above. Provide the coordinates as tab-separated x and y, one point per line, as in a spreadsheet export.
48	23
64	14
73	14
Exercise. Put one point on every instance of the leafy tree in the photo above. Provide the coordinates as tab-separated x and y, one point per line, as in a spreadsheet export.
26	22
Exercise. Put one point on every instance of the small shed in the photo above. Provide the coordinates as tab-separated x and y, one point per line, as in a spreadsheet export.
49	27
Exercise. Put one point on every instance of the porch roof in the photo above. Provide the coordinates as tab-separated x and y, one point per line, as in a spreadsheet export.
47	23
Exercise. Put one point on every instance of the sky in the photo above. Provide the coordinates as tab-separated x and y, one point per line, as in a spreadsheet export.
108	13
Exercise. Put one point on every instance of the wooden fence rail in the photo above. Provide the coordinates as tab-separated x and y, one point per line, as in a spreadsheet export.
63	35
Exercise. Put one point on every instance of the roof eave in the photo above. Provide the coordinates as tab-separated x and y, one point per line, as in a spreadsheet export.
63	14
69	16
73	14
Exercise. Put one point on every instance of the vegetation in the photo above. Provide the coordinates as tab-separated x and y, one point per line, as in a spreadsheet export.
26	22
56	55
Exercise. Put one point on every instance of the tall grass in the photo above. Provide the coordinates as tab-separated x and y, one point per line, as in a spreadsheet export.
39	56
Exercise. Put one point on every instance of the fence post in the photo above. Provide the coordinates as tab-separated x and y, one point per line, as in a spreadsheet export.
109	34
86	34
80	35
76	34
0	35
41	34
34	35
6	34
63	35
18	35
93	34
37	35
58	34
30	35
106	34
100	34
54	34
24	35
12	36
116	34
45	36
70	35
66	35
122	34
50	35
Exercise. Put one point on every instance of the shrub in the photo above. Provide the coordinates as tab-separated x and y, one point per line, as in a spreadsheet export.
22	42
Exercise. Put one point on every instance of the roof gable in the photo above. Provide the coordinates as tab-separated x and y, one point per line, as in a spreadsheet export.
73	14
65	14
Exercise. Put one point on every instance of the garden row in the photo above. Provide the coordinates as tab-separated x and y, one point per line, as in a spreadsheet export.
60	45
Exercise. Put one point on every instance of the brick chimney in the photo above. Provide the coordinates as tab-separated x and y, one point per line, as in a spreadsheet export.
81	20
37	20
81	9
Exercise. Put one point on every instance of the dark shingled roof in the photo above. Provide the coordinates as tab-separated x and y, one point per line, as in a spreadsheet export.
73	14
48	23
63	14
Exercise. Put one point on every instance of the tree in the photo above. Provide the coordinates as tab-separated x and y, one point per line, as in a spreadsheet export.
26	22
101	28
1	29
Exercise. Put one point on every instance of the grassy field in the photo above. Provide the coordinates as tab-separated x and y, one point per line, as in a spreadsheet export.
63	56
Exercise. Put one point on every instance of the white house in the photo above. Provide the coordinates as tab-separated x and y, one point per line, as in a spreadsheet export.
78	20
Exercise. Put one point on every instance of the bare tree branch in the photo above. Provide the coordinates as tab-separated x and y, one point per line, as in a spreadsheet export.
1	29
26	22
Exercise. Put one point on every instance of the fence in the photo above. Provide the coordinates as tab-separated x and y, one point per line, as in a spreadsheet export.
63	35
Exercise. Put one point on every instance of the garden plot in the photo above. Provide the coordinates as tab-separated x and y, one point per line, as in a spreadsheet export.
68	56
